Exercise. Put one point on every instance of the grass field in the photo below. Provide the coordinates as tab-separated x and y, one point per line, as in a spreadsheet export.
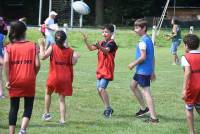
85	107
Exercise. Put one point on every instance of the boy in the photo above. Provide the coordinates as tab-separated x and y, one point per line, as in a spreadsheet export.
191	85
106	64
144	64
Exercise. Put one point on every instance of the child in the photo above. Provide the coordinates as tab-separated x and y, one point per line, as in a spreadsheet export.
176	40
21	68
191	85
60	78
144	64
1	65
105	68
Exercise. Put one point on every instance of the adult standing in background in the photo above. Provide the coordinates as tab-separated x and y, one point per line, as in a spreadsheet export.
50	28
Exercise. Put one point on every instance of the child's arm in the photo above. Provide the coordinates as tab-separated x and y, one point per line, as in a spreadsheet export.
6	68
75	58
139	60
44	54
37	63
89	47
187	73
103	49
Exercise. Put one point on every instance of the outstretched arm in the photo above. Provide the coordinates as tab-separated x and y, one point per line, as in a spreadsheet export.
44	54
91	47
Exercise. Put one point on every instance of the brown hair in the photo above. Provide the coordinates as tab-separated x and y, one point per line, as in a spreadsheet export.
141	23
191	41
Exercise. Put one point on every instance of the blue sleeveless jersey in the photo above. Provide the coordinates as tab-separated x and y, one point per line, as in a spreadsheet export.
147	66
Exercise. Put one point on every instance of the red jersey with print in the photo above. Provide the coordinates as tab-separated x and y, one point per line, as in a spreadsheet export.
60	76
193	86
106	63
22	74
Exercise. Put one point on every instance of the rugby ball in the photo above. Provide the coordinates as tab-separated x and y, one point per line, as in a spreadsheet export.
54	27
81	7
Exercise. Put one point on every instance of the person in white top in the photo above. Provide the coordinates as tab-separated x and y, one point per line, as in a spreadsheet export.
50	28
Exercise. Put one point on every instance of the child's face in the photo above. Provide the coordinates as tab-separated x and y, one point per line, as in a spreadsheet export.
106	34
140	31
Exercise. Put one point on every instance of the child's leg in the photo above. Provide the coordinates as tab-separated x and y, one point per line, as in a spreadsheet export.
104	95
149	100
138	94
47	102
1	80
101	87
28	108
14	107
62	108
190	120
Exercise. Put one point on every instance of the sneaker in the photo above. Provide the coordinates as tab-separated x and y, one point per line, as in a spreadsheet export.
46	117
151	120
2	97
62	122
22	131
140	113
108	113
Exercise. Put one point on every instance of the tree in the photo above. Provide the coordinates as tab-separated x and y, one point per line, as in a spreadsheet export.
99	19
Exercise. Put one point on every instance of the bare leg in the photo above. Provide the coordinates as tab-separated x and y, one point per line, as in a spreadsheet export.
12	129
25	122
190	121
137	94
62	108
149	100
47	102
105	97
1	80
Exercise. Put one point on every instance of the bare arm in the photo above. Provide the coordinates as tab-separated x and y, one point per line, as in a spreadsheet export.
139	60
91	47
44	54
103	49
75	58
37	63
6	68
187	73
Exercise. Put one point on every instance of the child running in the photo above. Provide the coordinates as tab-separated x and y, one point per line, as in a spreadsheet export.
191	84
21	63
144	64
106	64
60	77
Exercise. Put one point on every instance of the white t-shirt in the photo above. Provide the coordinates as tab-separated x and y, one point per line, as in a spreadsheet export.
49	21
142	45
184	62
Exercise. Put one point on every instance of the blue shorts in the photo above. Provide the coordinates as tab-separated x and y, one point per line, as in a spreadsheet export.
102	83
142	80
49	40
174	46
190	107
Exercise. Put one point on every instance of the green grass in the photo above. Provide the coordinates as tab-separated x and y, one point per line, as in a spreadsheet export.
85	108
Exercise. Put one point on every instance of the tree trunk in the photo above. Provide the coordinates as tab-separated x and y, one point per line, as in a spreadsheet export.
99	12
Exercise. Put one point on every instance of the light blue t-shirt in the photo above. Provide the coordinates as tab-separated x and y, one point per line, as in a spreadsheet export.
147	66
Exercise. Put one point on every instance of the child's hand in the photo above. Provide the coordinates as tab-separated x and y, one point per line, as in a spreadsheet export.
183	94
131	66
85	37
153	77
7	85
41	42
76	55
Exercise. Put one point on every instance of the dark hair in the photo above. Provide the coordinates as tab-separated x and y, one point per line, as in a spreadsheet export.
191	41
175	21
110	27
60	38
17	31
141	23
